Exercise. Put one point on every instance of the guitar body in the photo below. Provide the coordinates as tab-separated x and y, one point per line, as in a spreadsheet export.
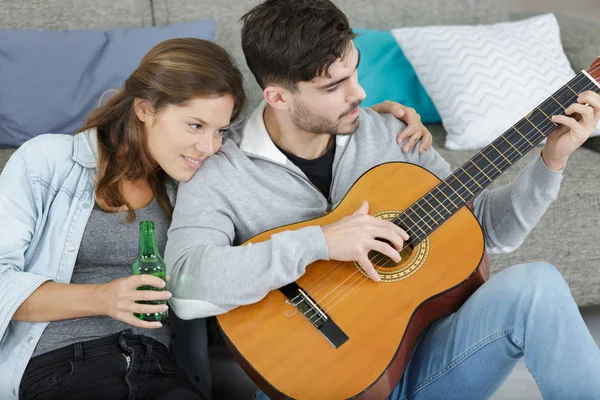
287	356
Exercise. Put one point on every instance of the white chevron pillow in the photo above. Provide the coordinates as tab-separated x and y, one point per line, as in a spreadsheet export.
484	78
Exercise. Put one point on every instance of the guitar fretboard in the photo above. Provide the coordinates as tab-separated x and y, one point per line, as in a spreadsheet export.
453	193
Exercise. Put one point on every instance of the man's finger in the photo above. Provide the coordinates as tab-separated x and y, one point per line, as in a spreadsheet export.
568	122
363	209
367	266
386	250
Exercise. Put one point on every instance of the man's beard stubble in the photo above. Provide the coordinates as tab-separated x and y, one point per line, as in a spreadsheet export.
317	124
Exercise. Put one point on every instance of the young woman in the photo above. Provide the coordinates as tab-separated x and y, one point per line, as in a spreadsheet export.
68	238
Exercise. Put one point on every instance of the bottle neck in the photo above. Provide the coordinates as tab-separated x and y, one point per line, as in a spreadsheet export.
148	246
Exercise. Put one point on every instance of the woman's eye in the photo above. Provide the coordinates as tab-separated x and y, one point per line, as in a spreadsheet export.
195	126
221	132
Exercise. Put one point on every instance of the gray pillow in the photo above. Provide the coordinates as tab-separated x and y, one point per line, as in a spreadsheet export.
51	80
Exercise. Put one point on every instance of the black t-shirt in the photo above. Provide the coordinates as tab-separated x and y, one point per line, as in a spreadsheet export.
319	171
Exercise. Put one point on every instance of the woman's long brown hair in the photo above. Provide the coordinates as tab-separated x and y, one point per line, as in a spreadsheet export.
172	73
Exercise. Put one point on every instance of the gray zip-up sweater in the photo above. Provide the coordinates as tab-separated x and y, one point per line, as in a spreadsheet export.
249	186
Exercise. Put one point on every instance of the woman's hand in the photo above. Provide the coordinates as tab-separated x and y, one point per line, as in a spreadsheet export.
118	299
414	131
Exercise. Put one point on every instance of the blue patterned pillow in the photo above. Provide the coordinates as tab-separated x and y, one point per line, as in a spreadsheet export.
385	74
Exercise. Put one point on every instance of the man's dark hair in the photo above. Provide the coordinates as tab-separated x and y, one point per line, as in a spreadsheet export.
291	41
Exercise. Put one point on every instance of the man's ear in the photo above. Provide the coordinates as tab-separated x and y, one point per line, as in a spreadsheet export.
144	110
278	97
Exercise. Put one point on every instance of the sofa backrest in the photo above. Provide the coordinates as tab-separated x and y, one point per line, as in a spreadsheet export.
373	14
108	14
75	14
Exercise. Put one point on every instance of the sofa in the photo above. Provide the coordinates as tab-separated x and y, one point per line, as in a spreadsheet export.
568	235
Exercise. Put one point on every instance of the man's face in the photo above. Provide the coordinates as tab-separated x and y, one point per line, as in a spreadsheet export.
330	104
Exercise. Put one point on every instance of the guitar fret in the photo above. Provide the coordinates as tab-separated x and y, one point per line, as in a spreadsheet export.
571	89
444	194
447	184
477	183
511	145
459	181
433	208
549	118
476	166
524	137
558	102
426	213
535	126
499	152
414	223
494	165
545	114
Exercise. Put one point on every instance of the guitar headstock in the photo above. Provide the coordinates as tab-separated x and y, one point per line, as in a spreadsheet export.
594	70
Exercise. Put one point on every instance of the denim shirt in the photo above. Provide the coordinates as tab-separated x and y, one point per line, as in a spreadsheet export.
46	198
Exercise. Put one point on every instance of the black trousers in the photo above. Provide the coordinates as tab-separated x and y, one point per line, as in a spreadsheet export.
120	366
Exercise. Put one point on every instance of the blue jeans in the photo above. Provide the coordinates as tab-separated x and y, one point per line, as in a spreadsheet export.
525	310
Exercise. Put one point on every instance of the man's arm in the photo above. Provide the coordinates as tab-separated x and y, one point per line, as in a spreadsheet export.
510	212
209	275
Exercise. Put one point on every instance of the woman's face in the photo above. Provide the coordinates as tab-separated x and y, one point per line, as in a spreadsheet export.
181	137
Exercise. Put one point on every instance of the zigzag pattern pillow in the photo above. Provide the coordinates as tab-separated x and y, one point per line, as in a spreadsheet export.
484	78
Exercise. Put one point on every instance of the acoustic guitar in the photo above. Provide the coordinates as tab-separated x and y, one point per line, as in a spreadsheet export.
334	333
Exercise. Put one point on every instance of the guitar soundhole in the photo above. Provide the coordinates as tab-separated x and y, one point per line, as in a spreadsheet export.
384	261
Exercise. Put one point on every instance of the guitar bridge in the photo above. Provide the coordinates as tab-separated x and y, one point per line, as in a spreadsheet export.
314	314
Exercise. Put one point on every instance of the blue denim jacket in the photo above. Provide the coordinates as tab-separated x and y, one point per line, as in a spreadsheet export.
46	198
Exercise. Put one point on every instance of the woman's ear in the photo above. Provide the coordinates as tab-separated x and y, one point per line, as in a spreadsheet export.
144	110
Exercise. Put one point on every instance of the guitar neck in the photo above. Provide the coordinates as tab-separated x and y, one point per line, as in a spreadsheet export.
450	195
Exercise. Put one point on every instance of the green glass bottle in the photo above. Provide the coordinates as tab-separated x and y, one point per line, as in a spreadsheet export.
150	262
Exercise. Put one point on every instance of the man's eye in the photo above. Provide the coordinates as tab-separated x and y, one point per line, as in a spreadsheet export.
332	89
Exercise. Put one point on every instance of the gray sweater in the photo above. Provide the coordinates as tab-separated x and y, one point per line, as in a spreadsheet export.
249	187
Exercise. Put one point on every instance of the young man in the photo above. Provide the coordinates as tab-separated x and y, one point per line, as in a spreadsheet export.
297	156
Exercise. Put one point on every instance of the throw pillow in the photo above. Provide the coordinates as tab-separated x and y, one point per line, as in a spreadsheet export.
484	78
385	74
51	80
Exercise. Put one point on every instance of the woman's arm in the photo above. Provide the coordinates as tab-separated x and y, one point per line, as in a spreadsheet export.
57	301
